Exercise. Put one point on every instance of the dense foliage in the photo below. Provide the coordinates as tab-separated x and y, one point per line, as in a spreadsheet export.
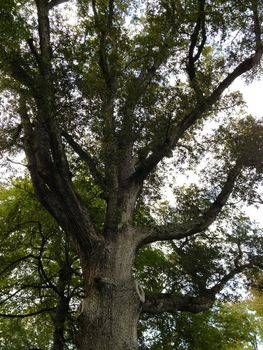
113	103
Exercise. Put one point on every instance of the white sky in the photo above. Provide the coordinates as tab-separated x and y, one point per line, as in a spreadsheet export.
253	95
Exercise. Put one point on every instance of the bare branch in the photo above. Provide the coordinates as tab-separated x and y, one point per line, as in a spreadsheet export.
15	262
20	72
111	12
34	51
238	269
41	270
103	32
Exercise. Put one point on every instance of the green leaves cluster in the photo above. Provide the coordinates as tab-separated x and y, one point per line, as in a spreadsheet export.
225	327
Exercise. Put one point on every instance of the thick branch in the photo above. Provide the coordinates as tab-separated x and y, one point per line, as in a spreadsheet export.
56	192
160	303
47	161
44	36
257	24
179	231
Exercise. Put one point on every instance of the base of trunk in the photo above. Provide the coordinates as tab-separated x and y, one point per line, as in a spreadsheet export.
109	317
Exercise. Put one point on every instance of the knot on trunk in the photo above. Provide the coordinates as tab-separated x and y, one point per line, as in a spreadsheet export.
102	282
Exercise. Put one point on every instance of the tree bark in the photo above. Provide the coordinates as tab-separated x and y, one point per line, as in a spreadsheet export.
111	308
62	309
109	318
59	324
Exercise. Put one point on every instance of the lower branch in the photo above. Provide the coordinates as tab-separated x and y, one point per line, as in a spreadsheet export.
30	314
164	302
171	231
160	303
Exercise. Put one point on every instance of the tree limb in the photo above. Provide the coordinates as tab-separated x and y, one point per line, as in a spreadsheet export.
46	156
34	51
34	313
200	26
186	229
164	302
164	148
160	303
103	32
19	72
54	3
91	163
15	262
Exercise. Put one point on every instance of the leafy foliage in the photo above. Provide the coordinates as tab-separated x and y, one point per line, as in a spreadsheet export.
110	101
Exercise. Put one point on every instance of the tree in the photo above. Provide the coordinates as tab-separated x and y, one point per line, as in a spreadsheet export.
113	96
40	283
226	326
188	269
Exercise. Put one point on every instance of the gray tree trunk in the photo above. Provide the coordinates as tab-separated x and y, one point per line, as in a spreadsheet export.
112	306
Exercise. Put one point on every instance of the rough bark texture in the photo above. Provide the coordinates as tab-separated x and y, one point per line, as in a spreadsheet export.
61	312
109	317
111	309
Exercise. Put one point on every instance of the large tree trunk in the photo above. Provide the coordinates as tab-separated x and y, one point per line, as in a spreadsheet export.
112	305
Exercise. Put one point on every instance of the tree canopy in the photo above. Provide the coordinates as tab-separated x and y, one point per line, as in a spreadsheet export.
111	102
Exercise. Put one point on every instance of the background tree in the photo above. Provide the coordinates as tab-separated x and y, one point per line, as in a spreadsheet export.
40	276
125	88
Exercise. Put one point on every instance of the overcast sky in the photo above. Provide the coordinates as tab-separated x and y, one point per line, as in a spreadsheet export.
253	95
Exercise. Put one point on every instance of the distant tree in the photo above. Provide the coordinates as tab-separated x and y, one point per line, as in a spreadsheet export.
113	96
188	268
40	278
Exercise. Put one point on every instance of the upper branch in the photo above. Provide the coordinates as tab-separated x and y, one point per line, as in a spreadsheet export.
158	152
189	228
86	158
44	37
257	24
35	53
54	3
103	32
200	26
